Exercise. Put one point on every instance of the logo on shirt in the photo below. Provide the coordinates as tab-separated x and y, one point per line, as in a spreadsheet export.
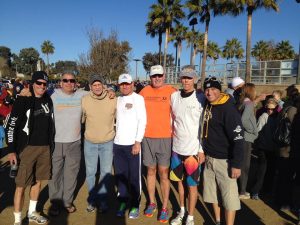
128	106
238	137
238	129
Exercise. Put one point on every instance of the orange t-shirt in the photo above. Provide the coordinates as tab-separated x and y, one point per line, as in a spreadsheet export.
158	108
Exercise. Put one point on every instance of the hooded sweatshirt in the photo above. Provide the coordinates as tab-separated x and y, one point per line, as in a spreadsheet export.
222	131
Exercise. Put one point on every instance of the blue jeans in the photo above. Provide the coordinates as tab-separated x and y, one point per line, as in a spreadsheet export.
104	151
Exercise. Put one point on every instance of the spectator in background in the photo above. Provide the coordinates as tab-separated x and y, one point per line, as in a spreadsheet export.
265	150
237	83
17	87
247	110
277	95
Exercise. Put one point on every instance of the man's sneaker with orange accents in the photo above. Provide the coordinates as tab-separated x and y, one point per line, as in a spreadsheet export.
151	208
163	216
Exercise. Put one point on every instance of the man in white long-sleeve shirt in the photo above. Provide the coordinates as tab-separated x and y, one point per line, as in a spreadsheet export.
187	153
130	129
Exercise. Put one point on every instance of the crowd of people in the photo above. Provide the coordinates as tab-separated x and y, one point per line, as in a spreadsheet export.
224	138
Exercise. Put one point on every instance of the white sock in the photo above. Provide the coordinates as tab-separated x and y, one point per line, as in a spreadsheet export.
32	206
182	211
189	218
18	217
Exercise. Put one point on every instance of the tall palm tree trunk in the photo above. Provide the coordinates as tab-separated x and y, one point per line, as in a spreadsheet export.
204	52
47	63
248	47
166	48
159	46
179	54
176	57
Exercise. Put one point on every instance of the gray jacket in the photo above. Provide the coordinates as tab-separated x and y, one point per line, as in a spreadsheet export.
249	121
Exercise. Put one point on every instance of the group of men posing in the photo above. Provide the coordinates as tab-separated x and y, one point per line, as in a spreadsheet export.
172	131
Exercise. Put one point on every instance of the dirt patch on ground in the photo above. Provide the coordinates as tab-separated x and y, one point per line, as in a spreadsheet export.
253	212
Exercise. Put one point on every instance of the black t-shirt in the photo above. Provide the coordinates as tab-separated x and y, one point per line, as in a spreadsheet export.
39	134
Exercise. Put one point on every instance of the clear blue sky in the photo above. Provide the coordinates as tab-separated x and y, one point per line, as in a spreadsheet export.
26	24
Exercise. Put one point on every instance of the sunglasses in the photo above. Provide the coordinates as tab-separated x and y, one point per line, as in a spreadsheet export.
40	83
270	109
157	75
210	78
69	80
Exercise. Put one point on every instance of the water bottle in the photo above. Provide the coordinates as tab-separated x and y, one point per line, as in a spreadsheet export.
13	170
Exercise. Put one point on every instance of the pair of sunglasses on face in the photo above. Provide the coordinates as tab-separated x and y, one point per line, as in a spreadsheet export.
69	80
157	75
41	83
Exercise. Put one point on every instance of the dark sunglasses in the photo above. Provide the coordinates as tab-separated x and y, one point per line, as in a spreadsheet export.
40	83
270	109
210	78
157	75
69	80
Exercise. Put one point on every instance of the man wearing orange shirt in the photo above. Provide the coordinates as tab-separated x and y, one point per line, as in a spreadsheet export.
157	139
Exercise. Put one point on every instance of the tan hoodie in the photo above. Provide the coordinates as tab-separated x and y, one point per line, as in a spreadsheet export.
99	117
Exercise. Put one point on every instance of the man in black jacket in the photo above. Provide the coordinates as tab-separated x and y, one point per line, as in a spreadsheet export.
223	141
30	136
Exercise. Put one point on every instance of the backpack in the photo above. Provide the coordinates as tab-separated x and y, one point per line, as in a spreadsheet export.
282	134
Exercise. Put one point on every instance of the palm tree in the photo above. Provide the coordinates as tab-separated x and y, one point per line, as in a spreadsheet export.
233	49
284	50
213	51
153	31
178	35
236	7
262	51
192	38
202	8
47	48
164	14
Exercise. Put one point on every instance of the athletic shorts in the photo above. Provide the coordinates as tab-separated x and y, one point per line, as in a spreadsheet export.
219	187
35	164
185	166
156	151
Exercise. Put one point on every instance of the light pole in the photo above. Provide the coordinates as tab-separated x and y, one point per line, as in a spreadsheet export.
136	64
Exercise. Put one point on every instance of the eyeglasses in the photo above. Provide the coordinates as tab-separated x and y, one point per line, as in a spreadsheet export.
69	80
272	109
157	75
40	83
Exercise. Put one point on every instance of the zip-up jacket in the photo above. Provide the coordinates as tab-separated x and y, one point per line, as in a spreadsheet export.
222	131
19	123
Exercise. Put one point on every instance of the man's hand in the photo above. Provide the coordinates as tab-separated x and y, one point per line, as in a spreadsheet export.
136	148
25	92
12	157
201	157
111	93
235	173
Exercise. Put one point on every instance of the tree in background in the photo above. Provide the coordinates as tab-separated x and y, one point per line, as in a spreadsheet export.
164	14
47	48
151	59
213	51
63	66
202	8
107	56
194	38
178	34
263	50
155	30
26	61
236	7
233	49
284	50
5	62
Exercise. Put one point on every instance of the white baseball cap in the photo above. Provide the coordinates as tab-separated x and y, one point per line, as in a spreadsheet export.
125	78
157	69
236	81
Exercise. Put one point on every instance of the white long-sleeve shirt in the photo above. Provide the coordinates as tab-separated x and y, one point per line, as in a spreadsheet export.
187	117
131	119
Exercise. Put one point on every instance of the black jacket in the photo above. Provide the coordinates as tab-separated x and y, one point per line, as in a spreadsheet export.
223	133
18	124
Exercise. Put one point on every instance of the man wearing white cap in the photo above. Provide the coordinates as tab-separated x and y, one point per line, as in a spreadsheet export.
157	141
130	129
237	83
